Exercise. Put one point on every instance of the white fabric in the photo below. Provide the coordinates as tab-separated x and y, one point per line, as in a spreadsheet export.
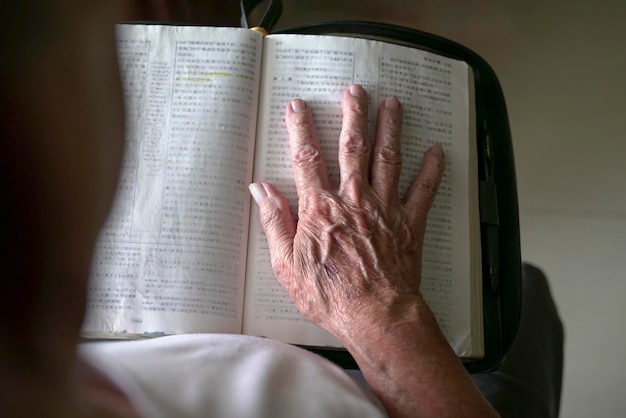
230	376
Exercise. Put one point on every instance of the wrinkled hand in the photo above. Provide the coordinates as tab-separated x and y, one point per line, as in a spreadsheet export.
354	255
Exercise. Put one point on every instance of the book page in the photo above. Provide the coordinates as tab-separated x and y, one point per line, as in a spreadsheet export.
434	93
171	257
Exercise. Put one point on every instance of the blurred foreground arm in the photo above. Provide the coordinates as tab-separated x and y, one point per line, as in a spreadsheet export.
352	260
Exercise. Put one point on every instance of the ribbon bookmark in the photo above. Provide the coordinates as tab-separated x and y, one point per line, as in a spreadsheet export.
260	30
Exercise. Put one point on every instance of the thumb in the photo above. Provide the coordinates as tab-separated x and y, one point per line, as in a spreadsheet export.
277	223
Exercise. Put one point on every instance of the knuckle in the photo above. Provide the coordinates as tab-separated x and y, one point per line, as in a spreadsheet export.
307	154
427	187
270	218
389	155
280	267
408	237
358	107
437	166
354	142
351	187
301	124
392	124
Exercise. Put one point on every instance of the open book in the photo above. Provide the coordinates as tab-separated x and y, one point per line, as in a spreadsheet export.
183	250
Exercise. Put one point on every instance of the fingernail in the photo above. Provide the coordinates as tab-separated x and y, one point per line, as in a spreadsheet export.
392	103
298	105
437	150
258	193
357	91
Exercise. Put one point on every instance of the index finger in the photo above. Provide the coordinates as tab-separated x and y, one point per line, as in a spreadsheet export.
309	170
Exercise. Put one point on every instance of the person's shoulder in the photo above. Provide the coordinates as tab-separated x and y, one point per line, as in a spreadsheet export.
233	376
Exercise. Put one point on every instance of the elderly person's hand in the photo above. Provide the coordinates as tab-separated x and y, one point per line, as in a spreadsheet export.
351	262
353	258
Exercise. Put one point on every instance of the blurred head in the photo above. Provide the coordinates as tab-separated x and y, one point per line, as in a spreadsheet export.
62	112
62	130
